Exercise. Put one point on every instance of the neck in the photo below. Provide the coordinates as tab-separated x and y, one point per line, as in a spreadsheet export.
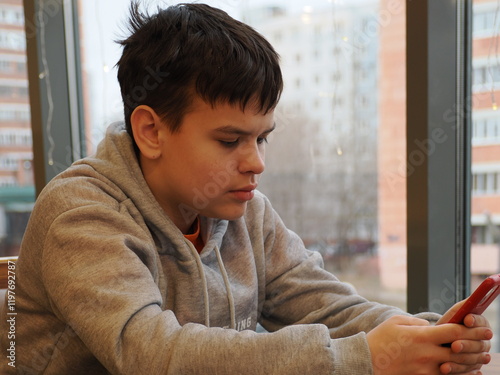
182	216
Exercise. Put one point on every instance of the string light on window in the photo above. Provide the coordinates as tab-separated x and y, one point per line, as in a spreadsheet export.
306	18
102	55
306	14
48	87
494	46
333	95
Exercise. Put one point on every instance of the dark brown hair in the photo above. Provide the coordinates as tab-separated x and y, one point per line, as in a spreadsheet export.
195	49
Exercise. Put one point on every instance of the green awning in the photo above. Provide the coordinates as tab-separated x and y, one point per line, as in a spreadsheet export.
16	195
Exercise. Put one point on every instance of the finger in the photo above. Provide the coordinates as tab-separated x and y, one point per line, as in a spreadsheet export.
471	346
476	334
453	368
473	320
448	333
470	359
456	332
465	364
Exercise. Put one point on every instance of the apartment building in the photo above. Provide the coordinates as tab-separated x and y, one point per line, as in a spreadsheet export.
321	165
16	171
485	102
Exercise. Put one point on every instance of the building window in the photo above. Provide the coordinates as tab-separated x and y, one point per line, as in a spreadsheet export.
486	74
11	16
486	128
15	137
13	40
484	19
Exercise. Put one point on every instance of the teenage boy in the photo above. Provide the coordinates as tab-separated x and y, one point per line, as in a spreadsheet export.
159	256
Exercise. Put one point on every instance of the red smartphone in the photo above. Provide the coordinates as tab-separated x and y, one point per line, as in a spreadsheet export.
479	300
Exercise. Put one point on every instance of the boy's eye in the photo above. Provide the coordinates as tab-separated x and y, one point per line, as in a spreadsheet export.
229	143
261	140
235	142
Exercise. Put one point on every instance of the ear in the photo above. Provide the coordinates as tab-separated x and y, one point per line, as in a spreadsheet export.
145	126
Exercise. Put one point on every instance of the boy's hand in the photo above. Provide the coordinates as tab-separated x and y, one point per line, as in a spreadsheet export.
408	345
466	349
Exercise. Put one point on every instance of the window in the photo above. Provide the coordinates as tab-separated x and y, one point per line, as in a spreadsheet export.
15	137
321	161
326	150
101	25
13	63
13	40
485	180
484	18
11	15
19	113
487	74
485	127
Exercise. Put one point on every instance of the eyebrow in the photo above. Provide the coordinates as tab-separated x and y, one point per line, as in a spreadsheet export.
231	129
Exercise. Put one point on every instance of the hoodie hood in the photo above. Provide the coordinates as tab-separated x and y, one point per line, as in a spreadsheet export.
116	159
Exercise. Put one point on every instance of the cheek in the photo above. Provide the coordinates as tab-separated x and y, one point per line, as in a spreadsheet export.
220	175
209	171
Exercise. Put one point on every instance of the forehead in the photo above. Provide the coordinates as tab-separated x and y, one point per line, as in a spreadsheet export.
252	105
228	117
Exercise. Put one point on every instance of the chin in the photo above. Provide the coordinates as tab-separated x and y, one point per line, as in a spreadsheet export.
229	213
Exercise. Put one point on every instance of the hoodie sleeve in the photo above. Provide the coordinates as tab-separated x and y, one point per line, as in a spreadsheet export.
300	291
98	284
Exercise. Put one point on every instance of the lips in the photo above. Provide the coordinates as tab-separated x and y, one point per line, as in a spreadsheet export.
245	193
246	188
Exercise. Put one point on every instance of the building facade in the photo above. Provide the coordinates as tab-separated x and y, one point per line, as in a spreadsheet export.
321	172
485	102
16	171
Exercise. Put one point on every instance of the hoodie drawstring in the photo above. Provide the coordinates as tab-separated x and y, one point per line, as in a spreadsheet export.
203	282
229	293
203	278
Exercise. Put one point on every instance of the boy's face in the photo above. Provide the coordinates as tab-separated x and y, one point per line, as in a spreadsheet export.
212	164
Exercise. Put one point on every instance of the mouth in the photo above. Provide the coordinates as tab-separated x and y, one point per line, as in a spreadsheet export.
244	194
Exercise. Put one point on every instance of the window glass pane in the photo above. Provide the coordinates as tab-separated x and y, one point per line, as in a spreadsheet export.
485	220
335	168
101	22
16	156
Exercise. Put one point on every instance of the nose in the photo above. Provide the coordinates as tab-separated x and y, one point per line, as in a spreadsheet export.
252	160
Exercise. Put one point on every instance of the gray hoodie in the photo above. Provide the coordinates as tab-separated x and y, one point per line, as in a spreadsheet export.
106	283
